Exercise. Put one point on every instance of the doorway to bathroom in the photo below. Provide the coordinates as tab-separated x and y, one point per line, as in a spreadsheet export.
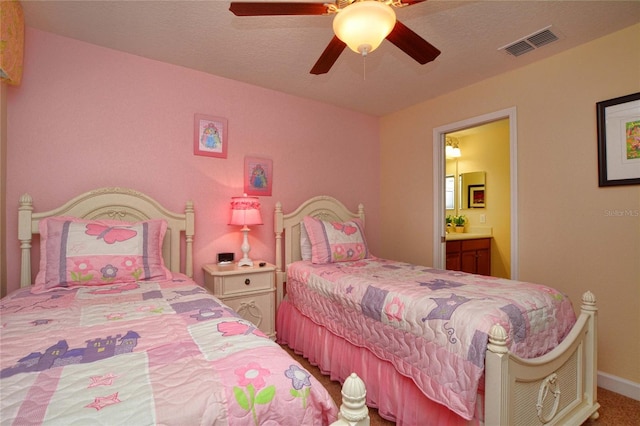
481	187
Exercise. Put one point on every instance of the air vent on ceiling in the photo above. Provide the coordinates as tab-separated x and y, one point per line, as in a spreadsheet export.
530	42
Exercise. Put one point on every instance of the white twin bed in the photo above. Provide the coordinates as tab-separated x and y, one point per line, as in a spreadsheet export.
115	331
401	328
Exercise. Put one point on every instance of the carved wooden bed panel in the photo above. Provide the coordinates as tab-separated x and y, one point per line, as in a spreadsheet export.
112	204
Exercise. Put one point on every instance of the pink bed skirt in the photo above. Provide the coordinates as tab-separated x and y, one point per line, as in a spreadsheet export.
396	397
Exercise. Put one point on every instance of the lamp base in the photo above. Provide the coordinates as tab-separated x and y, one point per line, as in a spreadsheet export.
246	248
245	262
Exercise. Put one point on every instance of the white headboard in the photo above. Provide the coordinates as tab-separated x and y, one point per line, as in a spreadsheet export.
113	204
322	207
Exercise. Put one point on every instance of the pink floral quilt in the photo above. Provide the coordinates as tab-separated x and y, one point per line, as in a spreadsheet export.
144	353
431	324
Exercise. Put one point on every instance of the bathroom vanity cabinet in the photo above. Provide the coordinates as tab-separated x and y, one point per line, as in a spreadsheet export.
470	255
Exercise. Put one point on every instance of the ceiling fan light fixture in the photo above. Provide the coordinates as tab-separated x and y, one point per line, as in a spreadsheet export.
364	24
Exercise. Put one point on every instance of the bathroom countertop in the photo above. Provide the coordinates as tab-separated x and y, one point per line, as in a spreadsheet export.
455	236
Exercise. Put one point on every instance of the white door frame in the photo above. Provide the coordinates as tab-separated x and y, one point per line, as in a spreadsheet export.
439	249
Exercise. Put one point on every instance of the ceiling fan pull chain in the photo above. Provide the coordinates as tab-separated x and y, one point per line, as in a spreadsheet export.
364	67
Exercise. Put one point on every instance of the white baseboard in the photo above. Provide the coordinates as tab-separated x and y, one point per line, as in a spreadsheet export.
619	385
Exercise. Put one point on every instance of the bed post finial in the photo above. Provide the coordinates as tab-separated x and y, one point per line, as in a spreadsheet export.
353	410
497	339
589	302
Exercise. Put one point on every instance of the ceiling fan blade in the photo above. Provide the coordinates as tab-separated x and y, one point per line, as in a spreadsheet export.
277	8
329	56
412	44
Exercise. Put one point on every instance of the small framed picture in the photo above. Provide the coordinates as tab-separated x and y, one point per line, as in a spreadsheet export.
210	136
258	176
476	196
619	140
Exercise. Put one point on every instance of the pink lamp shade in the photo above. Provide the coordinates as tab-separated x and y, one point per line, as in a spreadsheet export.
245	211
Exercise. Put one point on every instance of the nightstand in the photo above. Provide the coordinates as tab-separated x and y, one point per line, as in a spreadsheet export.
249	290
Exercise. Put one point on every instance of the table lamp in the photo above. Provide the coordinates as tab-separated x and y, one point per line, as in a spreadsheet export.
245	211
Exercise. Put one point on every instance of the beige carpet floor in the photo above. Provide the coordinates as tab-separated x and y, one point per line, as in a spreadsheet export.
615	410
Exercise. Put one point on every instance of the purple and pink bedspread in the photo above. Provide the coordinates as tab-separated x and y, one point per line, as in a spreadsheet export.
431	324
149	353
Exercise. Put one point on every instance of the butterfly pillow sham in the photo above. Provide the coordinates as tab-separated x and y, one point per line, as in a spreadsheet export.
76	252
336	241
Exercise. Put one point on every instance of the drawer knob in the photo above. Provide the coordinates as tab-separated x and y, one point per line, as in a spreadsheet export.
247	281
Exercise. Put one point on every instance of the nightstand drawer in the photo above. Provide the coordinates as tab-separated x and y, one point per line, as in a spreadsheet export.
233	284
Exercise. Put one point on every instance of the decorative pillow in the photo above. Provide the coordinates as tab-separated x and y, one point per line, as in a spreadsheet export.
305	243
76	252
336	241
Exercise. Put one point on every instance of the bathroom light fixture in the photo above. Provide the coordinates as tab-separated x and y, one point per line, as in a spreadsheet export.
245	211
364	24
452	150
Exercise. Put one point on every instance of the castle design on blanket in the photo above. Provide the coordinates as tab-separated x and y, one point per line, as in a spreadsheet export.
60	355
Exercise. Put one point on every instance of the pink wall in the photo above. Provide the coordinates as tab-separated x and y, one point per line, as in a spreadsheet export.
86	117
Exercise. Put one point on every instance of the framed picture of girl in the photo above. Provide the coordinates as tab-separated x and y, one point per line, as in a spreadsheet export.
210	136
258	176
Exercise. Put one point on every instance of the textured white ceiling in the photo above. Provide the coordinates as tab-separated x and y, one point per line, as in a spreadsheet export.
278	52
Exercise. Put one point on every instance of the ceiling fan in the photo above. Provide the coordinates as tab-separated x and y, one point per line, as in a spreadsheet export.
359	24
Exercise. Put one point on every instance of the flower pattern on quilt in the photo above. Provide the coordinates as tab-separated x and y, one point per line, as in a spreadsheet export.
115	316
300	382
394	309
205	314
79	272
252	378
129	263
109	272
150	308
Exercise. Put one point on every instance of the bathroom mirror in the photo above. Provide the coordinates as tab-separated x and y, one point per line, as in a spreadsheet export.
472	190
449	192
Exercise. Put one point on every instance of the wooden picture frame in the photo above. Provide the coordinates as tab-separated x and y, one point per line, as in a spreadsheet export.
619	140
210	136
258	176
476	196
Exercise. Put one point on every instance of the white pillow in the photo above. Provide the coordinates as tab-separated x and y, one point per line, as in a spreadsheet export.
336	241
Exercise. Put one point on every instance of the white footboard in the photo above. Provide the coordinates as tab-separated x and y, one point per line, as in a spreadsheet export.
557	388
